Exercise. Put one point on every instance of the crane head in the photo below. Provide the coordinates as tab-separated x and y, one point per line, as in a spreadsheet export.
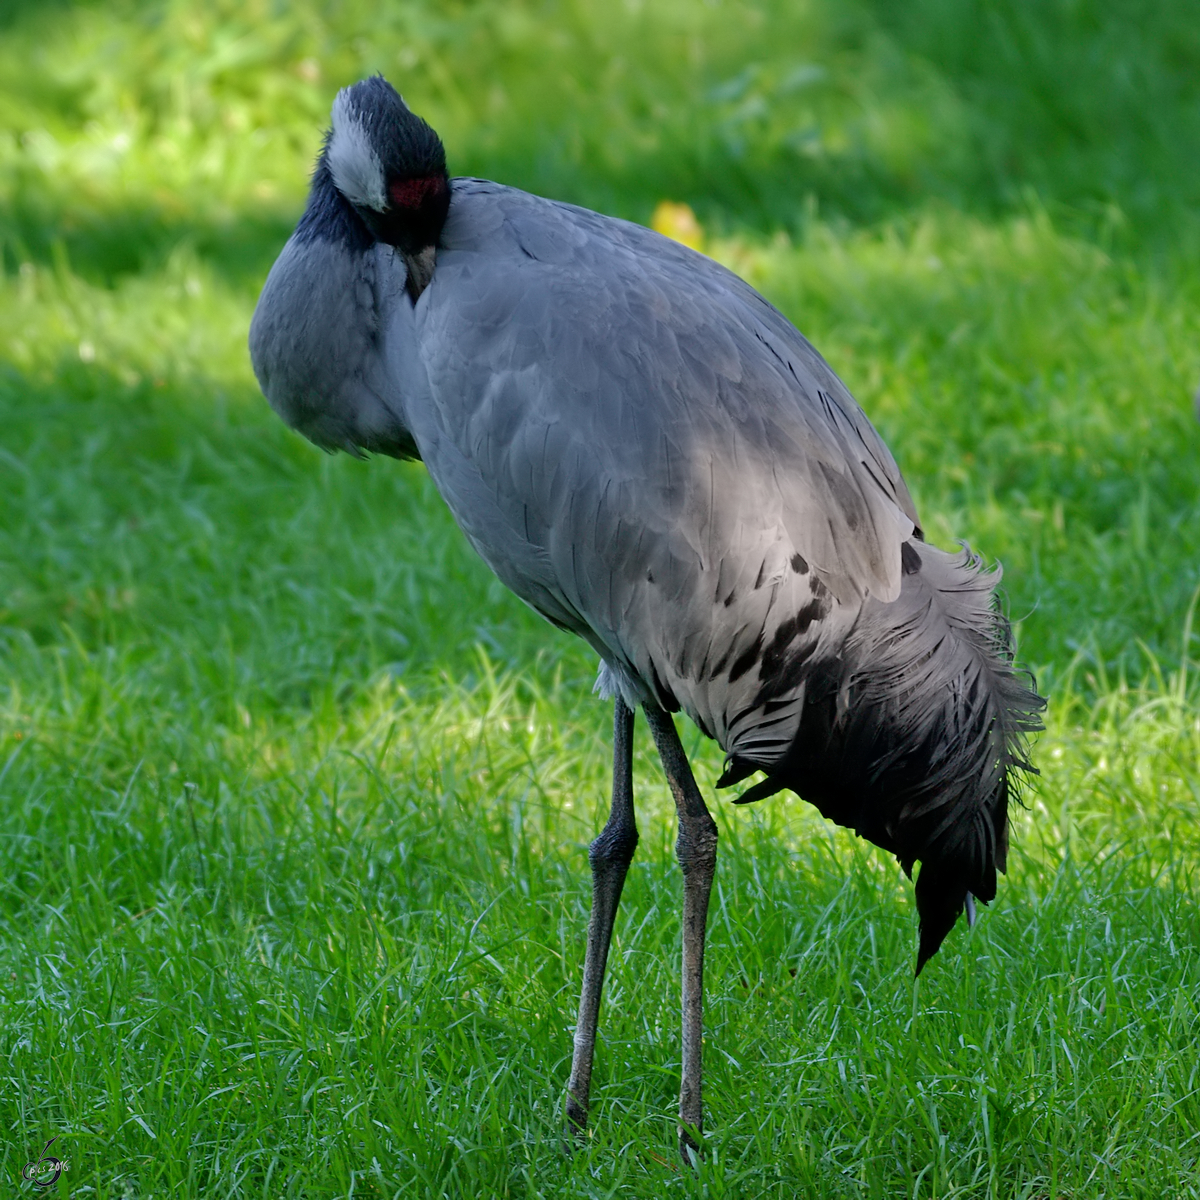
390	165
329	333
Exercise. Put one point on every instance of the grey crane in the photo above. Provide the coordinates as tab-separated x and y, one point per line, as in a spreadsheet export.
653	458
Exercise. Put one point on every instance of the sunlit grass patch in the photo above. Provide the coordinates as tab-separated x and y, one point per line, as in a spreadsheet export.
172	325
357	930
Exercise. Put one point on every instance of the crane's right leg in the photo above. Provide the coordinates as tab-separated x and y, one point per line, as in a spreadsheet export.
696	849
610	855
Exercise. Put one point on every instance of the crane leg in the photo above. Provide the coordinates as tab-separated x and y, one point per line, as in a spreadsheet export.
610	855
696	849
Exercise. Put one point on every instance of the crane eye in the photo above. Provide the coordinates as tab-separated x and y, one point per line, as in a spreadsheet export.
412	193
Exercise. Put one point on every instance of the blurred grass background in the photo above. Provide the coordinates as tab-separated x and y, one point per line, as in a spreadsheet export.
293	796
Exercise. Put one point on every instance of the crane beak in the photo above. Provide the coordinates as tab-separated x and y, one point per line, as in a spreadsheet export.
420	270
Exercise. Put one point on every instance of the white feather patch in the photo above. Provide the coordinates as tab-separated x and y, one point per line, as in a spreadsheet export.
614	680
355	166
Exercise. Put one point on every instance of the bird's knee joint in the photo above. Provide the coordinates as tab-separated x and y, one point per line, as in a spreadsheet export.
696	847
614	847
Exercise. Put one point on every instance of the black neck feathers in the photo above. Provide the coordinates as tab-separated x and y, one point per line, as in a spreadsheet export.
330	217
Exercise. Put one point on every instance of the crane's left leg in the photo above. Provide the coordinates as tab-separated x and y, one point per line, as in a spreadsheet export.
696	849
610	855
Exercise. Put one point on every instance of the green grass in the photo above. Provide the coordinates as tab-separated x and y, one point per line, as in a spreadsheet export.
294	797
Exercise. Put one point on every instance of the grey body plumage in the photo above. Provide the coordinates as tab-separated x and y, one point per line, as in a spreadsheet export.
650	455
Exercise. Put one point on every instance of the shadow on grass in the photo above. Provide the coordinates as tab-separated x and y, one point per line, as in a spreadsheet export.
137	517
864	110
103	244
13	12
1091	104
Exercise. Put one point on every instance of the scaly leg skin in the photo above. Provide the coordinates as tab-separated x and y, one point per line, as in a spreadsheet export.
610	855
696	849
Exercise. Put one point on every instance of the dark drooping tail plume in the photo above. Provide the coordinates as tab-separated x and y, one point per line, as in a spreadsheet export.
914	735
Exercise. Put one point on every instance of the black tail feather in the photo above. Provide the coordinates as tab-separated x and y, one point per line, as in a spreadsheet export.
941	896
914	734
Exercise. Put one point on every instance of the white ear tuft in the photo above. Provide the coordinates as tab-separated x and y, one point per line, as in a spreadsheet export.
356	168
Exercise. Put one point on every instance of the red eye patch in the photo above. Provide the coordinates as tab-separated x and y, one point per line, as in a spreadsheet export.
412	193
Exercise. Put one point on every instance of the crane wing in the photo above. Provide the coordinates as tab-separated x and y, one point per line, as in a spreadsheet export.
652	456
